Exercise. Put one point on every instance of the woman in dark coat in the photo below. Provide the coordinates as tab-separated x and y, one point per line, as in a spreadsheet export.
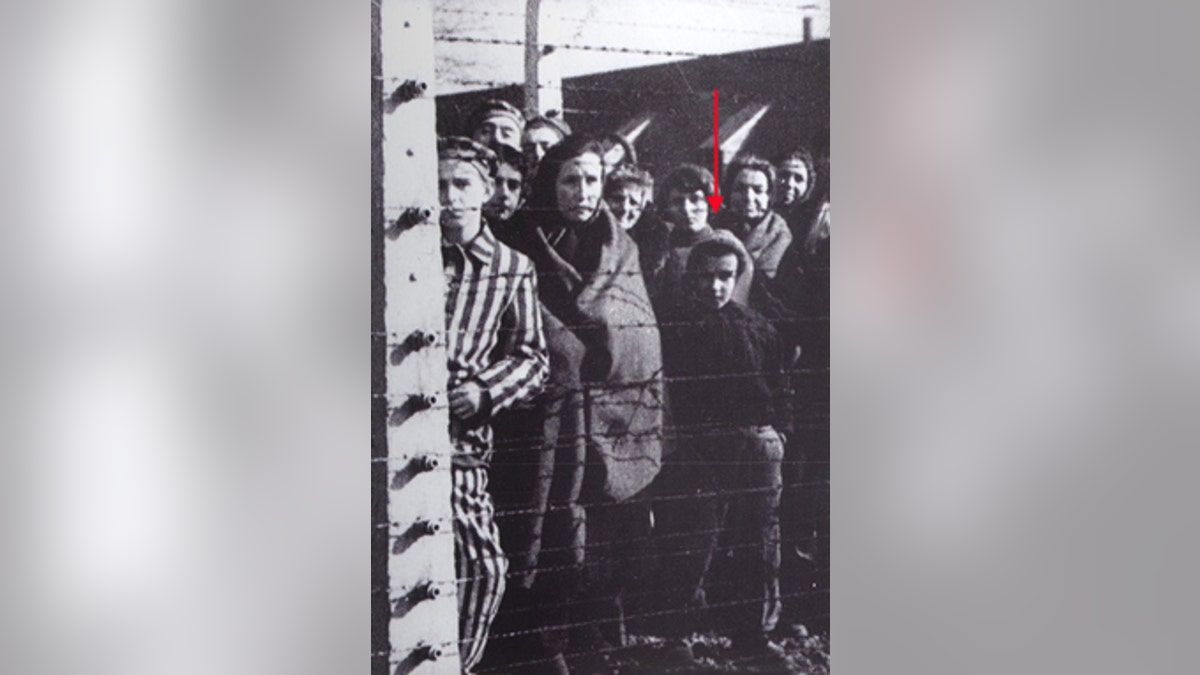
589	278
590	281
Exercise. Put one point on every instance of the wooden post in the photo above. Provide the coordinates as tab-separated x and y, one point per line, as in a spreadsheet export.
549	74
421	608
532	57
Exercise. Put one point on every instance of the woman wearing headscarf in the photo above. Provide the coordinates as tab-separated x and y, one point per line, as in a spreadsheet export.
748	214
590	283
796	194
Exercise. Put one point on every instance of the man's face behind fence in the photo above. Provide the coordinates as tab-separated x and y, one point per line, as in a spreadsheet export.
498	129
536	141
508	193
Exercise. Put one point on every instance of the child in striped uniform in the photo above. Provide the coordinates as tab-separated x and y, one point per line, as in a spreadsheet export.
497	356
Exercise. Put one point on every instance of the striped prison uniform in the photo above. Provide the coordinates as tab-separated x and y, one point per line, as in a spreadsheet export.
493	338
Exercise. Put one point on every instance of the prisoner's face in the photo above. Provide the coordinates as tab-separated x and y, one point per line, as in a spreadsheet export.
688	209
508	193
713	279
578	187
627	203
462	190
793	182
499	129
537	141
751	191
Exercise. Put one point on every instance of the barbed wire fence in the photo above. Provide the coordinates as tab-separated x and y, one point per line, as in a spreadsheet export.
413	579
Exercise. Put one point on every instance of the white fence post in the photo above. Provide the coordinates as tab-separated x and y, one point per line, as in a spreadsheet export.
421	596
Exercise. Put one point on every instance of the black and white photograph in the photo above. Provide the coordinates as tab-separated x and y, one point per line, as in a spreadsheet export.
629	413
600	329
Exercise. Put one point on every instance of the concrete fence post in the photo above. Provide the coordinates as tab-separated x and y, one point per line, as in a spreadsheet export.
412	478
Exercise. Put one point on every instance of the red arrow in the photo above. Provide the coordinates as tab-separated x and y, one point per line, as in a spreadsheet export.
716	199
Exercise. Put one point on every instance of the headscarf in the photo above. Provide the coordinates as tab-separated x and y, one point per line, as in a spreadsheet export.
543	192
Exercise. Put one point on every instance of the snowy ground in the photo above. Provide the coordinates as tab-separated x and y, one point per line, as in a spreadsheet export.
806	654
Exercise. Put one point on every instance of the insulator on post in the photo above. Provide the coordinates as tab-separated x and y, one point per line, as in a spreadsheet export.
410	217
419	339
429	463
423	401
429	527
407	91
430	652
429	591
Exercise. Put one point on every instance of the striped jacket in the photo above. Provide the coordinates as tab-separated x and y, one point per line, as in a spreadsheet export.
493	335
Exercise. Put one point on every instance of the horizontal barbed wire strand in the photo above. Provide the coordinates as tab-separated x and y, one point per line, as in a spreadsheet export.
639	595
746	55
657	555
643	615
798	35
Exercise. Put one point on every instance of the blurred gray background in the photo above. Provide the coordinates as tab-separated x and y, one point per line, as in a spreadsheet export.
187	301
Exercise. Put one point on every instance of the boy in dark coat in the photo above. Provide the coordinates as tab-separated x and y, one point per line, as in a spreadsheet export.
720	491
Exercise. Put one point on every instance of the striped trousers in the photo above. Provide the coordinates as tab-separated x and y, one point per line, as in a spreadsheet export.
480	563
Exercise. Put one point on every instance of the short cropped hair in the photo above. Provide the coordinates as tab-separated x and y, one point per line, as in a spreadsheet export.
495	107
686	178
629	175
466	150
749	163
714	248
551	120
